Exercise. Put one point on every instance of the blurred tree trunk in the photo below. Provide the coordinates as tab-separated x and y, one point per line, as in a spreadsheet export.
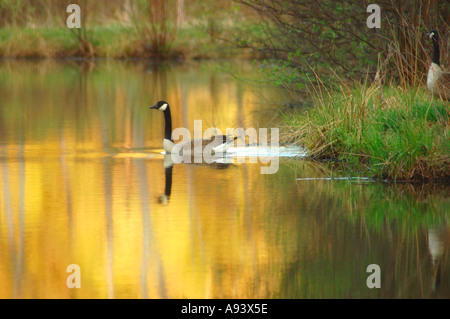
180	12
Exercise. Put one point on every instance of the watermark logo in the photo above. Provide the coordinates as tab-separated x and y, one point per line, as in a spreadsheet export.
204	148
74	19
374	20
374	280
74	279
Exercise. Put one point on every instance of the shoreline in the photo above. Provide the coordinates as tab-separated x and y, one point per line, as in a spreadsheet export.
401	137
417	181
116	42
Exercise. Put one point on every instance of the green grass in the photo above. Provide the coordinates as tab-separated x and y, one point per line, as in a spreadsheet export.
44	42
389	133
109	41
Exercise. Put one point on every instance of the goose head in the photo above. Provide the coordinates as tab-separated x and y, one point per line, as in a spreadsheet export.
433	35
161	106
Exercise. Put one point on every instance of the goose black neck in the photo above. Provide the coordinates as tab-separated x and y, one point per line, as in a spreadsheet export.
436	53
168	120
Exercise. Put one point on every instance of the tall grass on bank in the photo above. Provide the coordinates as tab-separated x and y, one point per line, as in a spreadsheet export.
112	41
391	133
157	23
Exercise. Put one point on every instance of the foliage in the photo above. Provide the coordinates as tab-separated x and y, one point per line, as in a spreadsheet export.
118	29
156	21
390	133
332	36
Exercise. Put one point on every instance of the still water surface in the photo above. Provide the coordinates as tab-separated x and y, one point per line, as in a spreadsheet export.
83	181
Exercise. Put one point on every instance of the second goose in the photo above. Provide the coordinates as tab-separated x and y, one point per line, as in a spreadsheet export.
438	81
219	143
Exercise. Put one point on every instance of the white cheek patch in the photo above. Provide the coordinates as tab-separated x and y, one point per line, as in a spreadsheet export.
163	107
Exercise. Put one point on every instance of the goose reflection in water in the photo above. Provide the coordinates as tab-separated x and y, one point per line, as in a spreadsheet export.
214	162
436	248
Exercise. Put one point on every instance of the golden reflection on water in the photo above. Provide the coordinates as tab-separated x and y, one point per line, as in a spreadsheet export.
82	181
74	194
104	215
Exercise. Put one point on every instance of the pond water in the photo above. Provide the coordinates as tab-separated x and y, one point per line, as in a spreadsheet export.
83	181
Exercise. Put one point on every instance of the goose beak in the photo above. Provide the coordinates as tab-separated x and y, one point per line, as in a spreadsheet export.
154	106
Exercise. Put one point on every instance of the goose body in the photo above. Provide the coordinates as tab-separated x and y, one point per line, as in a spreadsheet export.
438	81
217	145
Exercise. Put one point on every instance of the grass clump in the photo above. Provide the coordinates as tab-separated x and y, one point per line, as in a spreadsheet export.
390	133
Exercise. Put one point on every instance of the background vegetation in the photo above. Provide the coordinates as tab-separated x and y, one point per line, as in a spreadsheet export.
120	29
389	133
293	36
371	110
332	36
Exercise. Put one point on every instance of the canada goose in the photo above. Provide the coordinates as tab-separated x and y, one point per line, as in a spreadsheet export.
438	81
219	144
